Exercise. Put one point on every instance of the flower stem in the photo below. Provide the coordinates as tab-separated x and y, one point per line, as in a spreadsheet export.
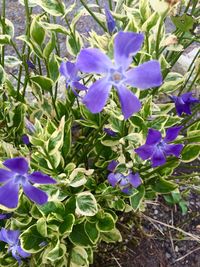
93	15
3	27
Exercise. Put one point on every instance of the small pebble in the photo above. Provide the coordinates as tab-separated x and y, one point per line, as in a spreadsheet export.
176	248
155	212
168	256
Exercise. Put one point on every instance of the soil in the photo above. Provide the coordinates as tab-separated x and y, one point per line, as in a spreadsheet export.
153	244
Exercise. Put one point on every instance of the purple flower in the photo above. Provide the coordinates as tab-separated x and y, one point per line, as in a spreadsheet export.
157	149
183	103
11	237
111	24
126	183
25	139
30	65
70	71
5	216
110	132
112	165
18	176
92	60
29	126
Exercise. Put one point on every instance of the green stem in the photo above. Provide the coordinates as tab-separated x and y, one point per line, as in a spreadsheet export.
3	26
72	34
110	4
158	35
94	16
194	80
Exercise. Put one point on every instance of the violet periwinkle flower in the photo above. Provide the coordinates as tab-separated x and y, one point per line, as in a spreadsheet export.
184	102
111	24
112	165
25	139
110	132
29	126
30	65
5	216
157	149
11	237
126	183
17	177
126	45
70	71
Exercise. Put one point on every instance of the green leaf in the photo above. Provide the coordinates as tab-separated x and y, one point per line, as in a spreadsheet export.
54	27
11	61
150	22
44	82
33	46
57	252
137	198
2	75
53	68
49	207
86	204
106	223
53	7
112	236
66	226
37	32
184	22
144	9
78	176
79	237
190	152
55	141
31	240
49	46
162	186
92	231
5	39
42	227
79	256
31	3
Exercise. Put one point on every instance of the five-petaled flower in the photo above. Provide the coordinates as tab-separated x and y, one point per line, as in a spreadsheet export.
126	45
157	149
18	176
183	103
11	237
70	71
126	183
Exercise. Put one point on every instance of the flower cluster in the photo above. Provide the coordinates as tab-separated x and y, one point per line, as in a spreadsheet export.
125	182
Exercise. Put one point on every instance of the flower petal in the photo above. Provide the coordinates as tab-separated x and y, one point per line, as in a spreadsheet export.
9	236
186	96
79	86
92	60
126	44
97	95
35	194
129	102
172	133
113	179
158	158
5	175
23	253
153	137
145	151
18	165
41	178
68	69
112	165
9	195
173	149
134	179
145	76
